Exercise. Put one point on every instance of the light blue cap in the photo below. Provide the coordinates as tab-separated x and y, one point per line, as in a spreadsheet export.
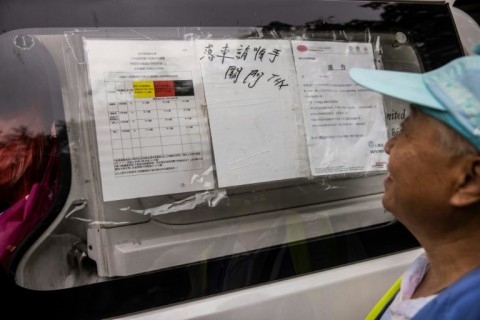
450	93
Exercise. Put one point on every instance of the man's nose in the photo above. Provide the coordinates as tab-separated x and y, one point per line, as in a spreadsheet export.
389	145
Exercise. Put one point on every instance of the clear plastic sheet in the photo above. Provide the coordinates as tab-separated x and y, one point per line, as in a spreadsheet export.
258	176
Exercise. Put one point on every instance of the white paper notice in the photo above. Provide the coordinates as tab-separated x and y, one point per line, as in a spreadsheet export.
254	110
345	123
152	134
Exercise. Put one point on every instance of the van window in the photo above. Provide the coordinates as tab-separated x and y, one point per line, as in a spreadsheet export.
182	160
237	139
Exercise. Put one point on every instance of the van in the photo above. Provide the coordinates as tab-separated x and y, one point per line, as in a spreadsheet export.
205	160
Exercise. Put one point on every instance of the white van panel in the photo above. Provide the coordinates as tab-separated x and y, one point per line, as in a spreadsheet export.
342	293
153	246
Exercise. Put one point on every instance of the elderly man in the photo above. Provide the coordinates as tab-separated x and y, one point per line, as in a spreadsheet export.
433	188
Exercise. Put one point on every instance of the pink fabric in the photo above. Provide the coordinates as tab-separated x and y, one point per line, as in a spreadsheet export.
21	218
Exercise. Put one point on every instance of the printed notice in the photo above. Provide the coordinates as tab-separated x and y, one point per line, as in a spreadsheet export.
344	123
254	110
152	134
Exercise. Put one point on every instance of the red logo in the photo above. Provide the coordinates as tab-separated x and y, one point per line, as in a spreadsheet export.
302	48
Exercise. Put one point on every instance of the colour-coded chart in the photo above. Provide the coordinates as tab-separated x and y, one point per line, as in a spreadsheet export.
154	124
150	118
165	88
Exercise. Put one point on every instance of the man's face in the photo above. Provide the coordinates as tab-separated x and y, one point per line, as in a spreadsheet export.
420	179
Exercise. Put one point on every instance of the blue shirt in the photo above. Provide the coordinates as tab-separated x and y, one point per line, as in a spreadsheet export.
461	300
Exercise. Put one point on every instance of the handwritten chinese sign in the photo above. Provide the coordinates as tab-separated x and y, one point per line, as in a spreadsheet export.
253	109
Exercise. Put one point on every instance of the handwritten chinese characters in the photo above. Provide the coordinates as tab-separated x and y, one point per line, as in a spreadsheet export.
225	53
253	109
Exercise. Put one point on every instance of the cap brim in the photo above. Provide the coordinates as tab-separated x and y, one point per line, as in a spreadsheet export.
401	85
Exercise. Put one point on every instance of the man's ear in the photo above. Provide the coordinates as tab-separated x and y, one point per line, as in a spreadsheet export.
467	191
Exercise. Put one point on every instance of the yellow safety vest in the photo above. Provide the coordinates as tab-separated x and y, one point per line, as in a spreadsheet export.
382	304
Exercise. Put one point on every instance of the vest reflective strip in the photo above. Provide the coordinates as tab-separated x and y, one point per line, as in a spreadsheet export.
378	310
